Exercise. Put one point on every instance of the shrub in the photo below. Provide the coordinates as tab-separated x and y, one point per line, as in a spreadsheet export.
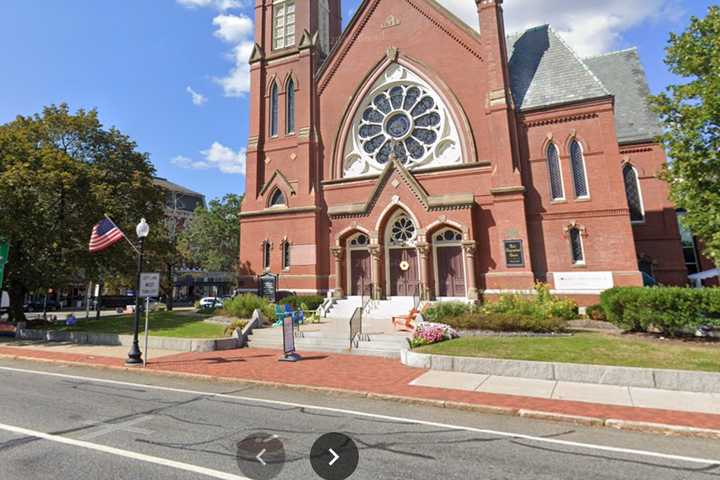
502	322
441	311
671	310
542	306
311	302
596	312
243	306
236	324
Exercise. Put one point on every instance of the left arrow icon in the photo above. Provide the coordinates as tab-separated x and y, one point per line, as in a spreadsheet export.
259	457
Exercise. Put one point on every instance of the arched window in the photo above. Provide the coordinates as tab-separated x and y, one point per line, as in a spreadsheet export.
448	236
402	230
576	246
632	191
578	169
277	199
266	254
290	107
557	191
360	241
274	110
285	254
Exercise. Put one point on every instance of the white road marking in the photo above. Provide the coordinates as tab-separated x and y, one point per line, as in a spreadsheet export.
514	436
117	427
123	453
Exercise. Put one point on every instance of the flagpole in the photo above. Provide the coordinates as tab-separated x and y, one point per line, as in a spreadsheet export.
123	234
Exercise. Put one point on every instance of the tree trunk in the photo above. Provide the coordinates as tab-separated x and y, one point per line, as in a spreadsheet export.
17	300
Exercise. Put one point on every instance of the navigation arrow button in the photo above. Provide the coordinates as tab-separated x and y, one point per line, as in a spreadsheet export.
335	457
259	457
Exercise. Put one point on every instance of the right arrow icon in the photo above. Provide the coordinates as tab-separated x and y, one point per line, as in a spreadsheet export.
335	457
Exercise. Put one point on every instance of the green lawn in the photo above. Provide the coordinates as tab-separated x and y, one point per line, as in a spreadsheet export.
591	348
162	324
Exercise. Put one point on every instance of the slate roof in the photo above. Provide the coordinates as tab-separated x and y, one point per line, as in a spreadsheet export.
545	71
623	74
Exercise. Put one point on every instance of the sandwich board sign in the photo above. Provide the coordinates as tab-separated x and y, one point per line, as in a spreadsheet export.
149	285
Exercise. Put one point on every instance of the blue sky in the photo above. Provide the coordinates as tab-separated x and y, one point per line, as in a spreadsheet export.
171	73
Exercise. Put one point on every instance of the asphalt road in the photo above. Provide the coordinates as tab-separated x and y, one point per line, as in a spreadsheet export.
59	422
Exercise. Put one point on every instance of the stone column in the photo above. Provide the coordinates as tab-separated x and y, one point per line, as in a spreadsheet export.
376	252
423	250
470	247
339	254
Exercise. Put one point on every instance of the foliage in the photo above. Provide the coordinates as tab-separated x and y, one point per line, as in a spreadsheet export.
243	306
673	311
427	333
542	306
211	239
59	174
441	311
311	302
503	322
596	312
235	325
691	115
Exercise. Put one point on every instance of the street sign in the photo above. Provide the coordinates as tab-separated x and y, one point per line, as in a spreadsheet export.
149	285
4	252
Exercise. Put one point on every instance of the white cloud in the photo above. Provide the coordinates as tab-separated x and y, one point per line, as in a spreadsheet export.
237	82
233	28
590	27
217	156
198	99
218	4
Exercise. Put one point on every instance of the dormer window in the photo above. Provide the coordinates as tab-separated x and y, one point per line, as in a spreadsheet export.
283	24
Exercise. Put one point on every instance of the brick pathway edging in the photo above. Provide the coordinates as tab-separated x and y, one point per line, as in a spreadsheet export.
628	425
678	380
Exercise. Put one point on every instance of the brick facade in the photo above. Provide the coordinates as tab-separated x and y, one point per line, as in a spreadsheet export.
498	192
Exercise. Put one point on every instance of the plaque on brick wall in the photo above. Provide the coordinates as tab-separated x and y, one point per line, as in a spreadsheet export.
514	253
268	287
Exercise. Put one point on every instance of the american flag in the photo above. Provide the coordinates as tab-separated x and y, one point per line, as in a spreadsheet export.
104	235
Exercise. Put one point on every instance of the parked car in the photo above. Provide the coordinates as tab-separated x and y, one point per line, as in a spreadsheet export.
211	302
40	305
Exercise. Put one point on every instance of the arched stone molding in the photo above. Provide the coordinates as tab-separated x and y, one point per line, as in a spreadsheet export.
349	231
389	212
455	111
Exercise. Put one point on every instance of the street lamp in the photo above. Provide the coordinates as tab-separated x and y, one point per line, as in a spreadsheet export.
135	355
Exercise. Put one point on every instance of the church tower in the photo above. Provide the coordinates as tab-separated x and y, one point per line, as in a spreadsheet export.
292	38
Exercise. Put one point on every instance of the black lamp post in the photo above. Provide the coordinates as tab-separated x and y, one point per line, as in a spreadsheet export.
135	355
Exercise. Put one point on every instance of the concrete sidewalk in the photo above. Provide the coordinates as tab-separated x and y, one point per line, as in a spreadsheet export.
376	377
573	391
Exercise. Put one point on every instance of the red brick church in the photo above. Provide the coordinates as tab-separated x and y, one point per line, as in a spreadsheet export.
412	154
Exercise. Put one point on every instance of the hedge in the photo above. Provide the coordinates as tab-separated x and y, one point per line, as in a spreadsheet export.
673	311
243	306
312	302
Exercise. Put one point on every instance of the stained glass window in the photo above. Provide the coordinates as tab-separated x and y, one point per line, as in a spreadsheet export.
576	246
402	230
266	255
578	169
290	107
286	254
274	110
277	198
632	191
556	183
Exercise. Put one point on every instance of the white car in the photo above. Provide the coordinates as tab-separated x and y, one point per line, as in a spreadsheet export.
211	302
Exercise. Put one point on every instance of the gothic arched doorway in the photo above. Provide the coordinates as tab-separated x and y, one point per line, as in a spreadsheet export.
402	266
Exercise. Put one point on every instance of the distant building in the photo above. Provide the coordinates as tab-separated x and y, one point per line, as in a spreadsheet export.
180	203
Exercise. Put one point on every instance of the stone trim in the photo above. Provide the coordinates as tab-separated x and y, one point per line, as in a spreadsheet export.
279	211
618	212
277	174
507	190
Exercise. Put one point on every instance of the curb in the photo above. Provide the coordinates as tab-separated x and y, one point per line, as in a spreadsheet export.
597	422
676	380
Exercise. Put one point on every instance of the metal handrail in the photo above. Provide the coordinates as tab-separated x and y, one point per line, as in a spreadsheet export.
417	299
356	321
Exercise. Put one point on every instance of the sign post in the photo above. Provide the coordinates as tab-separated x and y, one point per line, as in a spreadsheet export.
4	252
289	340
149	287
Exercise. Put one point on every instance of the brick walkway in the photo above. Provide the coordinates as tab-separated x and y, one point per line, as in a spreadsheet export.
366	375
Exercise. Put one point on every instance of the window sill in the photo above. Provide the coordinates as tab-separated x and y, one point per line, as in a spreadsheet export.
583	199
579	265
558	201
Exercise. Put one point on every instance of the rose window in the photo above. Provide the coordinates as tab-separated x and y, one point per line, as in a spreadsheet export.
403	230
404	119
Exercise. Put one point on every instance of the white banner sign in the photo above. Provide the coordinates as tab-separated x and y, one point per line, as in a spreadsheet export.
149	285
583	281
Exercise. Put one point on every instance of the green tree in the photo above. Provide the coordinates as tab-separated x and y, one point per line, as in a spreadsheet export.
211	239
59	174
691	114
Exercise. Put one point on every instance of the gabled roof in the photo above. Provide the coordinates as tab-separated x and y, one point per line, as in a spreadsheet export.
623	74
174	187
545	71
